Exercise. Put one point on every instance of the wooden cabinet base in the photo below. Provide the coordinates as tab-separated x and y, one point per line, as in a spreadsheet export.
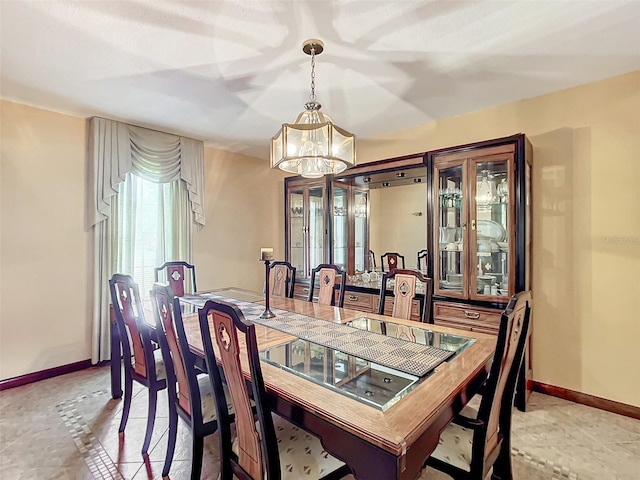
484	320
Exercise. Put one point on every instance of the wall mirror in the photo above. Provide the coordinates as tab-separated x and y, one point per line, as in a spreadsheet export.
377	207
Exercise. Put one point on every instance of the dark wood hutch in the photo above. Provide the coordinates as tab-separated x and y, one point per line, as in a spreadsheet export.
477	230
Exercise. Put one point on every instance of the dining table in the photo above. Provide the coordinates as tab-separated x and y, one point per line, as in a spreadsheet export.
382	421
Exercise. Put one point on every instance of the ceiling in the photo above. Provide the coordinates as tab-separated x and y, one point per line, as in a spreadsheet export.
230	72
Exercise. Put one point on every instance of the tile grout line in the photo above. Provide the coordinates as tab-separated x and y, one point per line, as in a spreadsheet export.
93	453
558	472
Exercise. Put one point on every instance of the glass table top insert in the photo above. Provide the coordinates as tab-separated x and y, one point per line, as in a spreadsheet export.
370	383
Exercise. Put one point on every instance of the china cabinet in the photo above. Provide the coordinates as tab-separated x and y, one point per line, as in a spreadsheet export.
480	217
481	237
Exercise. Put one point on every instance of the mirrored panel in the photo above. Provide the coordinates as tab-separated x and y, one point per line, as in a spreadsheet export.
370	383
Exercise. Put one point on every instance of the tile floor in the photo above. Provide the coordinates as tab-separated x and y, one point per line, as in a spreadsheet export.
67	428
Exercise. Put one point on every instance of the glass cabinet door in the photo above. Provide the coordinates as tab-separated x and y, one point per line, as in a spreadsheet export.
361	230
491	232
297	229
449	233
340	226
315	228
306	237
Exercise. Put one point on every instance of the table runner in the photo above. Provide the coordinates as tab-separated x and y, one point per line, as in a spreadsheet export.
413	358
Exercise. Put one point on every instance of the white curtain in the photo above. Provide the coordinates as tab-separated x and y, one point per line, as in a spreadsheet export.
119	152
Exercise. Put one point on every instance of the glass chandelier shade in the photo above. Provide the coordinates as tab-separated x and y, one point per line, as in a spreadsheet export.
312	146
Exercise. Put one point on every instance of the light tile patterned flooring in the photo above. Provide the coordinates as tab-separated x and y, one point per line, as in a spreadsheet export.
67	428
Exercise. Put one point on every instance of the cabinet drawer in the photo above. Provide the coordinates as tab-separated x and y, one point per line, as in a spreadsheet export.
357	301
388	308
467	316
301	291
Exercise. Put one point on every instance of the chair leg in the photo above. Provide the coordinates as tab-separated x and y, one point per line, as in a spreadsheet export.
171	444
502	466
151	418
196	459
128	390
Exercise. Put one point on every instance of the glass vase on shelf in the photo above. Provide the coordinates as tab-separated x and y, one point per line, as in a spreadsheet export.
503	191
486	191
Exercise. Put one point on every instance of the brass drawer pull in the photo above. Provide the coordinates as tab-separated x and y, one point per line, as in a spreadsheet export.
353	298
305	290
469	314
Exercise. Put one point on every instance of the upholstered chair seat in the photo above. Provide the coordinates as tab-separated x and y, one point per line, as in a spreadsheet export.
455	443
301	454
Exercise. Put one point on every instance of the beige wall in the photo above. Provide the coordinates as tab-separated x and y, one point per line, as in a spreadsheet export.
393	227
586	220
45	254
44	250
245	211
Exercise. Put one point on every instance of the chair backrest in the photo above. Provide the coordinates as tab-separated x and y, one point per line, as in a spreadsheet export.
421	254
392	261
174	273
327	274
404	291
257	456
178	358
372	261
282	278
497	398
134	333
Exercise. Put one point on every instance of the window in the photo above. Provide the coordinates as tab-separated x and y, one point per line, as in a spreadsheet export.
151	229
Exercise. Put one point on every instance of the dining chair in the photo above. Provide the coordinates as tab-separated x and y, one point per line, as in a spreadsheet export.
282	276
392	259
421	254
404	292
478	440
142	362
189	392
265	445
174	275
372	261
327	274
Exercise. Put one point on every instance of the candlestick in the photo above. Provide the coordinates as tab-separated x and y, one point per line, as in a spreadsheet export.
267	311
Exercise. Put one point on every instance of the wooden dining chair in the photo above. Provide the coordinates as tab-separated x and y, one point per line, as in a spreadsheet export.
174	275
327	275
392	259
265	446
190	395
282	276
142	362
404	292
477	441
372	261
422	254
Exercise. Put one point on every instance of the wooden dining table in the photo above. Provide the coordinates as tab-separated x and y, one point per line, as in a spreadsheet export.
377	444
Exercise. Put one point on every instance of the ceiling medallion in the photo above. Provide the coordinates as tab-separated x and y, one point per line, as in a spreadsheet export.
312	146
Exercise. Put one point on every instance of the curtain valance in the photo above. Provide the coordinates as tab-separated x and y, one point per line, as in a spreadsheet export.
116	148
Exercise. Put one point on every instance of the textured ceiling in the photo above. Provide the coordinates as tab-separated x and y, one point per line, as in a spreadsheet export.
231	72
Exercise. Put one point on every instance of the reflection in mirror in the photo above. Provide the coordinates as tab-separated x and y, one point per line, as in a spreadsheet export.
398	202
388	214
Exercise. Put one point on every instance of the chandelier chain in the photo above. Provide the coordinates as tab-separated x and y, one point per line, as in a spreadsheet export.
312	96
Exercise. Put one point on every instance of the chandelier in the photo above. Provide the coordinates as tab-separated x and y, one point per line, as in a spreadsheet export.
312	146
